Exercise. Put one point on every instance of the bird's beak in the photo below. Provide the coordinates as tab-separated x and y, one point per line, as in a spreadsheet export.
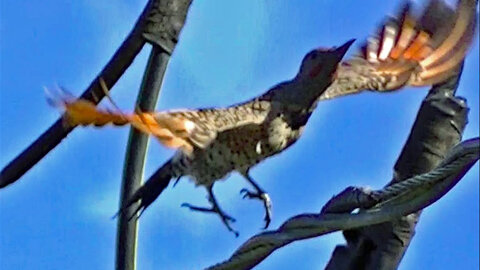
342	50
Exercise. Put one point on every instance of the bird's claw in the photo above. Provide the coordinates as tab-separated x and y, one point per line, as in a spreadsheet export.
267	203
226	219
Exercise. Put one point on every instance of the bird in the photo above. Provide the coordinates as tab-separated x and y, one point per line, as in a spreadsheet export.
211	143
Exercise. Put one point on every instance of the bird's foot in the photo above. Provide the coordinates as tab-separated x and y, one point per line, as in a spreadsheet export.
265	198
226	219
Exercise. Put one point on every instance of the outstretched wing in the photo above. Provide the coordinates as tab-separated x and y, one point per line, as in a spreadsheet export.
410	50
184	129
207	123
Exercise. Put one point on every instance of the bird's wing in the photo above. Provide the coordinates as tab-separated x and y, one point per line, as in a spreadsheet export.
207	123
409	50
184	129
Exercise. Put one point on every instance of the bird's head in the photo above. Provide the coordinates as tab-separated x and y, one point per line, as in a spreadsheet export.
322	63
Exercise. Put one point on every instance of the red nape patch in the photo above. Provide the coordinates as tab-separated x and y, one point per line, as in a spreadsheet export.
315	71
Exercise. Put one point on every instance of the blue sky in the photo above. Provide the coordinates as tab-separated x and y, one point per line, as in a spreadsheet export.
58	215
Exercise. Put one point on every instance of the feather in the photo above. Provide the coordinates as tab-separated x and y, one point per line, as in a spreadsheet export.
427	50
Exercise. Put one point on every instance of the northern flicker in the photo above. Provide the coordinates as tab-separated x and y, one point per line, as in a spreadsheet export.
214	142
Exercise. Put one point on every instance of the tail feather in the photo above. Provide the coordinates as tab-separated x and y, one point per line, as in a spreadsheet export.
149	191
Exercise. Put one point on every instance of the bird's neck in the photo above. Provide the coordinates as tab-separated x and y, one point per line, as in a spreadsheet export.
298	95
308	91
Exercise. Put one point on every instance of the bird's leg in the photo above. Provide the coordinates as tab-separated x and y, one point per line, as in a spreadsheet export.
259	194
226	219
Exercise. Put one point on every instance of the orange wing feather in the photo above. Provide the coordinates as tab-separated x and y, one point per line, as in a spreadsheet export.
172	132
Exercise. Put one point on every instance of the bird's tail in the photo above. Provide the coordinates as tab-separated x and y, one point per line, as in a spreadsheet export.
149	191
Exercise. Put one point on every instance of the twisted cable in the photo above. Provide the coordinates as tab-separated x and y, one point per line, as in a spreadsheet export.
388	205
